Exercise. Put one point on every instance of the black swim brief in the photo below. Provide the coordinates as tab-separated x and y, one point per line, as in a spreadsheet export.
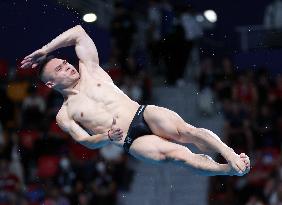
138	127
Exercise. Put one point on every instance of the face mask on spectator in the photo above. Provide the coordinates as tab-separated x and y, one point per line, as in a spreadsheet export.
101	168
65	163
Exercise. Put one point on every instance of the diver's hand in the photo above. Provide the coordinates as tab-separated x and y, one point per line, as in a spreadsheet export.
32	59
240	165
115	133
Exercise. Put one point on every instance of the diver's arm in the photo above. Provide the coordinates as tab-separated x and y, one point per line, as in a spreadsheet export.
68	125
84	46
80	135
67	38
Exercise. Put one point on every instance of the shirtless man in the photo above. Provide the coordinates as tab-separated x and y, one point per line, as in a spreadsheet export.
95	112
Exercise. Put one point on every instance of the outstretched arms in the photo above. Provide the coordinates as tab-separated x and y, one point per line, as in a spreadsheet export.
84	46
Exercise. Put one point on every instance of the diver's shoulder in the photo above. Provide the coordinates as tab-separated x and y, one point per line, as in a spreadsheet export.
62	113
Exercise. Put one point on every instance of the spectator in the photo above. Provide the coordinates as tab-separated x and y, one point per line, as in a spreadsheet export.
6	109
263	128
276	196
224	80
104	187
175	53
54	197
122	29
2	141
244	91
255	200
273	22
273	15
66	176
206	77
9	183
154	36
263	85
33	108
79	195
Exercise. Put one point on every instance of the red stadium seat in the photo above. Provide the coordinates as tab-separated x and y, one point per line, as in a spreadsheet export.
48	166
3	69
54	129
80	152
43	90
28	137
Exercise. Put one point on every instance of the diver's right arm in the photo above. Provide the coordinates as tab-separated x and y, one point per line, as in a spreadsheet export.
80	135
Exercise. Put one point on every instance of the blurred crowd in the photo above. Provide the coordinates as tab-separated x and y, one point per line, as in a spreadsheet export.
250	101
161	41
39	163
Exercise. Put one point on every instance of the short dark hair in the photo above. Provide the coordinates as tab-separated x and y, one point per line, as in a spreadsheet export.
42	63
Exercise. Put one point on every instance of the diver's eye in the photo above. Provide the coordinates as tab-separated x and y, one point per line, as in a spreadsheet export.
59	67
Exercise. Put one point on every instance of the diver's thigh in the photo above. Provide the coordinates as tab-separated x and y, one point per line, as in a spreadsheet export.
163	122
152	148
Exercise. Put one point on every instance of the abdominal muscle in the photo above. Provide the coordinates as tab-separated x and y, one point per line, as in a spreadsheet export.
99	119
123	113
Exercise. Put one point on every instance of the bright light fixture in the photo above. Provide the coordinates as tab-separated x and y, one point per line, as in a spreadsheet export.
90	17
210	15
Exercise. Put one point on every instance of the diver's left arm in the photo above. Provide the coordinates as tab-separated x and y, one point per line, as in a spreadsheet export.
84	46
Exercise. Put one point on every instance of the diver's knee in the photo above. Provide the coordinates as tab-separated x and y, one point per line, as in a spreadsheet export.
178	156
187	133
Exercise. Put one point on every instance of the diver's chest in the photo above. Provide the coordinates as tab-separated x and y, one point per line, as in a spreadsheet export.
97	90
81	107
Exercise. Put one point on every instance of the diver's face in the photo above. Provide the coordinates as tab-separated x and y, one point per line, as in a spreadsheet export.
60	73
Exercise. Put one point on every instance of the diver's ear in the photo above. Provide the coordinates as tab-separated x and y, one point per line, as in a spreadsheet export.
50	84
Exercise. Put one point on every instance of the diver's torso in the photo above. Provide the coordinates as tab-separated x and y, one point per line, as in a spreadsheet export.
98	102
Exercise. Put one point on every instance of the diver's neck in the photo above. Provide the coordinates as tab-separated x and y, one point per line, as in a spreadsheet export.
74	89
